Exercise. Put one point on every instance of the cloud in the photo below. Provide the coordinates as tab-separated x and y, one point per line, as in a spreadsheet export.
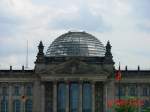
141	8
144	26
84	20
125	23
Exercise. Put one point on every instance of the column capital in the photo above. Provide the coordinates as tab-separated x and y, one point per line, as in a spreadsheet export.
55	82
80	81
42	83
67	82
92	82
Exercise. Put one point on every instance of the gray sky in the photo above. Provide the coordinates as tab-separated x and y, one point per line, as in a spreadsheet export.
126	23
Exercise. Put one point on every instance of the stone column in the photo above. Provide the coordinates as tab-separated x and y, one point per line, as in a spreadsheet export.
93	96
36	96
0	99
105	98
138	95
10	100
127	90
80	96
42	97
109	93
22	101
67	96
54	96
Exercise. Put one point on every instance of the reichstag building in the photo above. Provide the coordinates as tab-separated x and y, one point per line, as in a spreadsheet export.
76	74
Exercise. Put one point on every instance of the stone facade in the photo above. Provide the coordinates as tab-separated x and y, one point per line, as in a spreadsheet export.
37	90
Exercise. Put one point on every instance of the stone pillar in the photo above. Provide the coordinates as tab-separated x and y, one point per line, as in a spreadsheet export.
67	96
22	101
109	93
42	97
0	98
93	96
54	96
36	96
0	101
105	98
127	90
99	89
138	95
80	96
10	100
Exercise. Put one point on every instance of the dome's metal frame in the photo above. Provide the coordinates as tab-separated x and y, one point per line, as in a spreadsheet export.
76	44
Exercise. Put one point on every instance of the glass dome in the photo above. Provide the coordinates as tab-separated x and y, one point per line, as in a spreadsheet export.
76	44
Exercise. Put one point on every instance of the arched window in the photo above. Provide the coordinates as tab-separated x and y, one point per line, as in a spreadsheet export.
74	97
28	106
87	97
16	106
61	97
4	105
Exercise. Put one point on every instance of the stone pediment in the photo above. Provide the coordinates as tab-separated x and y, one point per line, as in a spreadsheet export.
73	66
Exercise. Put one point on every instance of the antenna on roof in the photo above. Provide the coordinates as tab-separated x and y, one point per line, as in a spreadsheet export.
27	56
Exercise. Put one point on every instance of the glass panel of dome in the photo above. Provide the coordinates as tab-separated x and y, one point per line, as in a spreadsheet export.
75	41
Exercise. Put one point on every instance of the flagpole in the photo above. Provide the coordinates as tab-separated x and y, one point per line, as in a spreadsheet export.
119	89
119	83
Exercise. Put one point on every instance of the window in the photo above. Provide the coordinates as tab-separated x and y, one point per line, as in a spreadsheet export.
16	91
16	106
87	97
4	91
132	91
74	97
121	91
145	91
61	97
4	105
28	106
29	90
